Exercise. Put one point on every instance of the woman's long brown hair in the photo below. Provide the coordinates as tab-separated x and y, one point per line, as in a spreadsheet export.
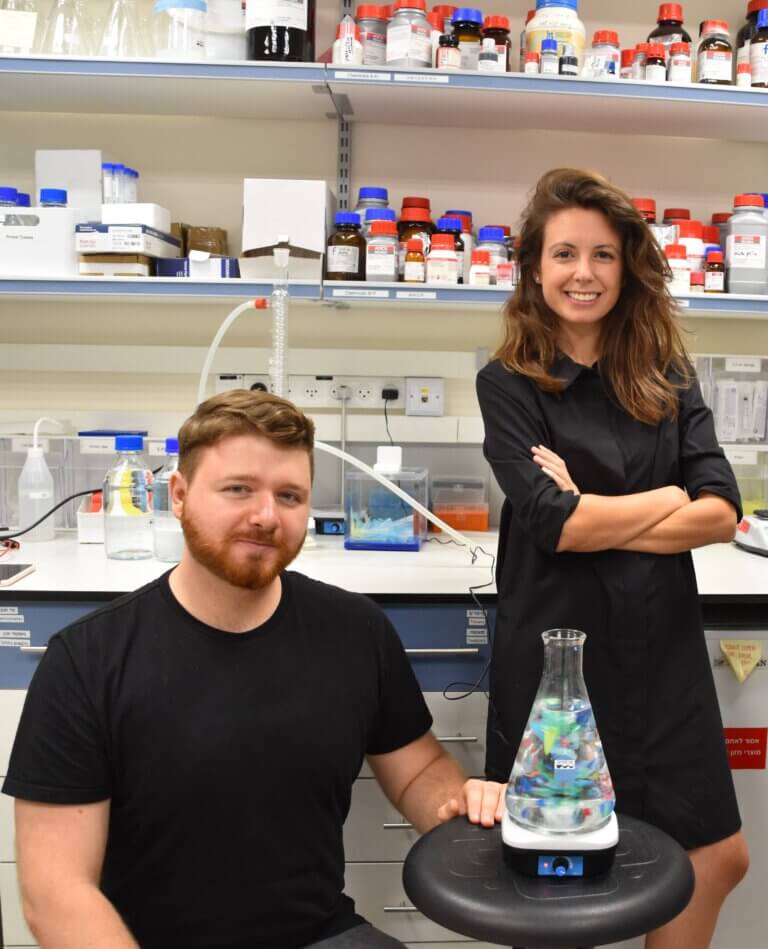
640	338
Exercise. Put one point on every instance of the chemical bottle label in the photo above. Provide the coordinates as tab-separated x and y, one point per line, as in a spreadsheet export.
414	271
290	13
715	65
668	40
655	73
374	48
343	259
758	60
442	271
714	281
17	28
746	250
470	55
381	261
410	41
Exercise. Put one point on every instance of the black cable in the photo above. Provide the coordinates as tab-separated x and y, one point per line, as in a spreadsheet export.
72	497
469	686
386	422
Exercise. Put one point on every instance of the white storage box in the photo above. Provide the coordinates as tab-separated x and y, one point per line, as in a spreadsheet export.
125	239
751	470
272	207
38	242
78	171
152	215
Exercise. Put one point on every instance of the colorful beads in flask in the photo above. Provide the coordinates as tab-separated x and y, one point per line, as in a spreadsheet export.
560	781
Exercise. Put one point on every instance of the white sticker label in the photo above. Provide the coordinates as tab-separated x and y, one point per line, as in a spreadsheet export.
97	446
17	618
419	77
737	456
23	443
343	258
8	610
13	638
742	363
370	294
290	13
564	764
381	262
17	29
415	295
477	637
715	66
746	250
410	42
683	303
362	76
156	446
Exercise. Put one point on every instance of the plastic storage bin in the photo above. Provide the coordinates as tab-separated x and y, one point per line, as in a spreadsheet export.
376	519
736	389
751	469
460	502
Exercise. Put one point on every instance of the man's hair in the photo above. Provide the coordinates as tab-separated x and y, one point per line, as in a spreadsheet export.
640	339
241	412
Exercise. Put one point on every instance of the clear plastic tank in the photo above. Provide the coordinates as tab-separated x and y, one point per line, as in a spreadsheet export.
376	519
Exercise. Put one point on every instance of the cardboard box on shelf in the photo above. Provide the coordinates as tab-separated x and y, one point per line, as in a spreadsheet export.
124	239
152	215
37	242
275	207
116	265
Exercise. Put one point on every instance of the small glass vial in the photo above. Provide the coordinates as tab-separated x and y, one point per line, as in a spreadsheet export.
568	64
639	60
373	34
489	59
744	76
453	226
491	239
345	258
605	43
714	272
679	68
697	281
531	65
627	58
448	52
53	198
467	25
714	58
656	64
480	269
442	262
647	209
381	252
415	269
549	62
677	258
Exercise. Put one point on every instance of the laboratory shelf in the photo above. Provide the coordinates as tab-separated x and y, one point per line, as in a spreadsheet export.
155	87
154	289
516	101
346	292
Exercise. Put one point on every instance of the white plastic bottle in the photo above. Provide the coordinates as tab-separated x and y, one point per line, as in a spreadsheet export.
559	19
167	534
127	503
747	246
35	491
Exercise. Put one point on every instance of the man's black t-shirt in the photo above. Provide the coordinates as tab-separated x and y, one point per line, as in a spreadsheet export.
228	758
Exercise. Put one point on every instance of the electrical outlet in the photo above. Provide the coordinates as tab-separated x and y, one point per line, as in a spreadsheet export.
322	391
424	397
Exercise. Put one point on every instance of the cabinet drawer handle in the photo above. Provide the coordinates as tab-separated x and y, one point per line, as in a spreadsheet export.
426	653
33	650
458	739
400	909
400	826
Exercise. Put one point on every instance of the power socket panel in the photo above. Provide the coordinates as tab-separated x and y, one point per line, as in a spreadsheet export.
322	391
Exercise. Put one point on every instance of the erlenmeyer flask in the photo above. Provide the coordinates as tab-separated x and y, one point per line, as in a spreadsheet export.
560	781
122	33
67	30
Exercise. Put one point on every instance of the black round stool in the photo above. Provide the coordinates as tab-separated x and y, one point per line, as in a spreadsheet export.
456	875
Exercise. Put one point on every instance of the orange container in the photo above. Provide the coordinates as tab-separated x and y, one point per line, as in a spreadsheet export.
467	517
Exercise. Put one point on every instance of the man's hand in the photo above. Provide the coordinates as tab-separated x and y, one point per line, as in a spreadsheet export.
481	801
554	466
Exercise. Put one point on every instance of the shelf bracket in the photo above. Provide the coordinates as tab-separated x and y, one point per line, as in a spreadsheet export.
343	162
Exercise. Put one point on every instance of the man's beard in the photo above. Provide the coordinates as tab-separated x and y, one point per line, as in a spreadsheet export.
251	574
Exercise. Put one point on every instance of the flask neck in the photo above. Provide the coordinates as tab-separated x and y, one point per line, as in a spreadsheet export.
562	673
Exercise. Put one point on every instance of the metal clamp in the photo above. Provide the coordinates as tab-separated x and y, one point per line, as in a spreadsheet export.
33	650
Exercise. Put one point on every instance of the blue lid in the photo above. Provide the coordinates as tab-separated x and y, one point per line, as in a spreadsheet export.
378	194
9	194
53	196
762	18
491	234
467	15
118	168
107	166
380	214
568	4
449	224
129	443
549	45
161	5
710	247
347	217
23	200
451	211
171	446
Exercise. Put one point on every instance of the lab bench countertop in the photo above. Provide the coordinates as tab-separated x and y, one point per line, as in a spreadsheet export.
65	567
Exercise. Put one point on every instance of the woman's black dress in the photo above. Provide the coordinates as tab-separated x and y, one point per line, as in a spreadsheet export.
645	660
